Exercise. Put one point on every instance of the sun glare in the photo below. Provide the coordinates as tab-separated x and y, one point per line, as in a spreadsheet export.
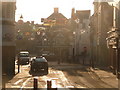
34	10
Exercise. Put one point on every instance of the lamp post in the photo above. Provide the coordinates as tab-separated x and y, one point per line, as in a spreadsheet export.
74	44
77	21
118	54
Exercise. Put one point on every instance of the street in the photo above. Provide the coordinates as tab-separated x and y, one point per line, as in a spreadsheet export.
75	43
63	76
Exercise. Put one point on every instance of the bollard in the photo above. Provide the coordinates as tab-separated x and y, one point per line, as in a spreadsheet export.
35	83
18	65
18	68
49	85
3	81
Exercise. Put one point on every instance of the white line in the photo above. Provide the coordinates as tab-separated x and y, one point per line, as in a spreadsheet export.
25	83
18	81
15	86
62	78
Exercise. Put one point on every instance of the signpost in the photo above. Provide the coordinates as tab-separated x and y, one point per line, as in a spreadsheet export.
113	40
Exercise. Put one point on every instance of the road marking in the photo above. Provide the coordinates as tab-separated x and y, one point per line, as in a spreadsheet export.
15	87
69	86
63	78
25	83
54	84
18	81
43	81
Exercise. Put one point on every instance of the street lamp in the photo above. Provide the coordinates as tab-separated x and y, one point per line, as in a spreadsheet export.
77	34
74	33
38	32
74	44
45	39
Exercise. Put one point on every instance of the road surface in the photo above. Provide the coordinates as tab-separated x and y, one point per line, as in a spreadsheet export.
62	76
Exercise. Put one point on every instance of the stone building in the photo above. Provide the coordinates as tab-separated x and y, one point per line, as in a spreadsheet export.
57	37
82	31
8	33
101	22
113	40
25	34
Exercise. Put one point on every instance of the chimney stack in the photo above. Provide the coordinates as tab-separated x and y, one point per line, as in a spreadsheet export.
32	22
73	13
56	10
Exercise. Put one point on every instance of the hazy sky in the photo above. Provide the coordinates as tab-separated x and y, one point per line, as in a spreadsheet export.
34	10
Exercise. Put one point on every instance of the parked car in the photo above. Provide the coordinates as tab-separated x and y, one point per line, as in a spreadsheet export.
23	57
39	65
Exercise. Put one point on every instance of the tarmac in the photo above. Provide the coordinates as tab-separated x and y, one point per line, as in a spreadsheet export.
104	74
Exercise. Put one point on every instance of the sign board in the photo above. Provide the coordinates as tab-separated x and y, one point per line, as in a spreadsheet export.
8	34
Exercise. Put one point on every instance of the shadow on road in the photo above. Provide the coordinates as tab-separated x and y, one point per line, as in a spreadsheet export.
71	70
37	73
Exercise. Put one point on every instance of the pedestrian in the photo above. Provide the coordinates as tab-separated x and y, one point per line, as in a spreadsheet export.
84	54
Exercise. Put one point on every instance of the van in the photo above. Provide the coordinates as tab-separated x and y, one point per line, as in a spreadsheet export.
23	57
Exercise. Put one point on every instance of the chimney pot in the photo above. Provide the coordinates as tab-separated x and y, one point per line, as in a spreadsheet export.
55	10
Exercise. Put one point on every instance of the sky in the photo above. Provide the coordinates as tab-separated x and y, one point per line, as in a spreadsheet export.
34	10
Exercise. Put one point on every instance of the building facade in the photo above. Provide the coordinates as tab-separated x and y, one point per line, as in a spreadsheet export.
80	22
101	22
8	38
56	37
113	40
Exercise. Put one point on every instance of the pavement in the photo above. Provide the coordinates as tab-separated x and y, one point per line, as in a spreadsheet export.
106	76
103	74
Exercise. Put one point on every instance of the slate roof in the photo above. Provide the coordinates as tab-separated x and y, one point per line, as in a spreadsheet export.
56	16
83	14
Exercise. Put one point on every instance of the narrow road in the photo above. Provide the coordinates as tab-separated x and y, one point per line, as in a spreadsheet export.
62	76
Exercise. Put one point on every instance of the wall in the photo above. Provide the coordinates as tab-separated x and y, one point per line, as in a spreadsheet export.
102	22
8	43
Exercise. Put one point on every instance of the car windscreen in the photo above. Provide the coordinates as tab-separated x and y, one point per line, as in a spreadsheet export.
24	54
40	60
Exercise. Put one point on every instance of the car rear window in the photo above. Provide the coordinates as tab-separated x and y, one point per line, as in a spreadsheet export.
40	60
